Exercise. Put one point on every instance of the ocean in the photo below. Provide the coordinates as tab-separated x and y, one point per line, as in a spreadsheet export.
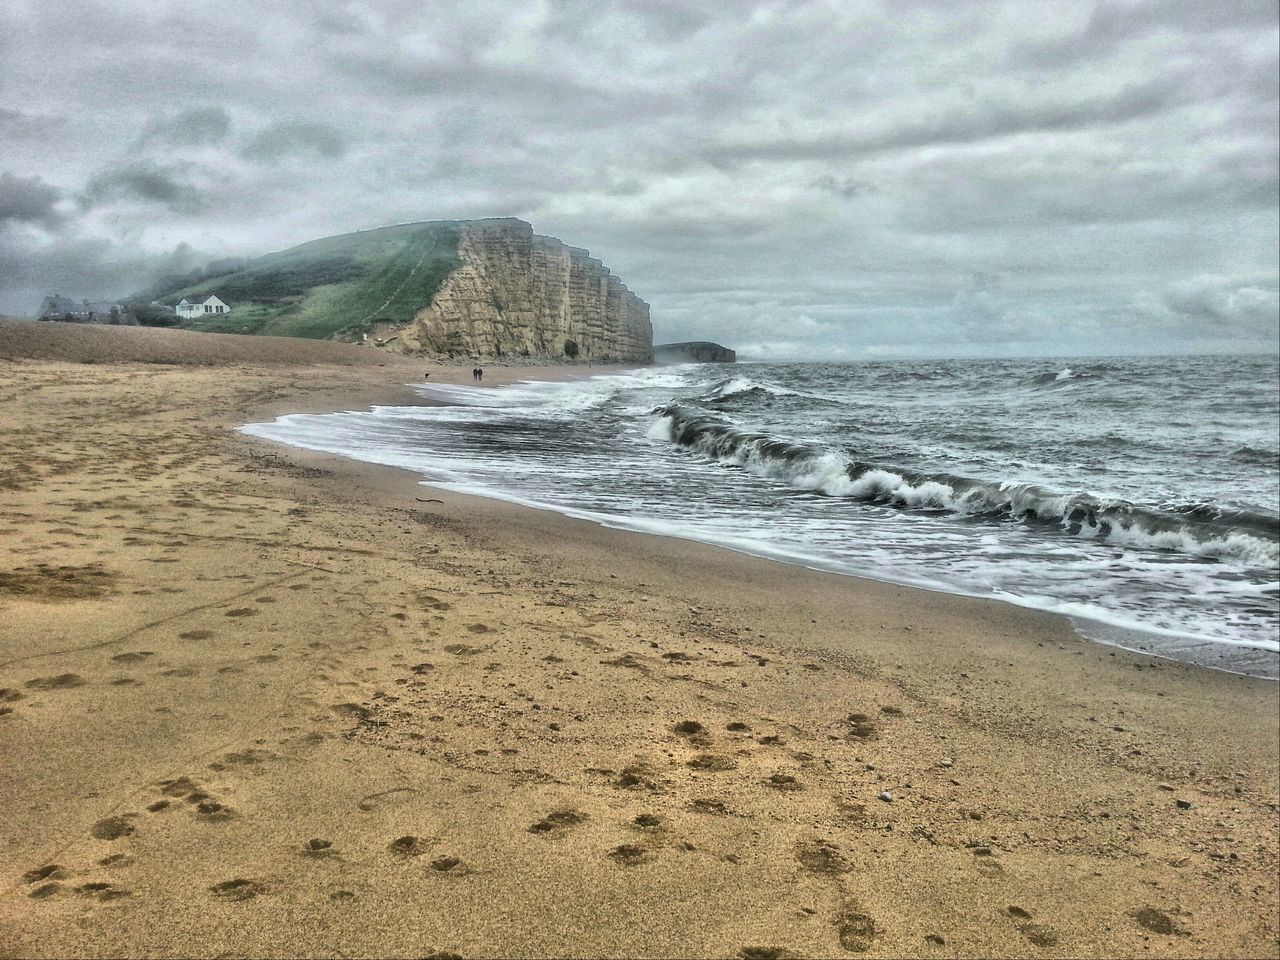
1138	496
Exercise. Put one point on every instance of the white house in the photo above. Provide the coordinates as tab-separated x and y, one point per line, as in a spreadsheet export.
190	308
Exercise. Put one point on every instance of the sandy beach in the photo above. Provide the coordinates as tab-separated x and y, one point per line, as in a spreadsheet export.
260	702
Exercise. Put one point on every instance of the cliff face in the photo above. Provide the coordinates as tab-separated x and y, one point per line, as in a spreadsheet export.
516	294
696	351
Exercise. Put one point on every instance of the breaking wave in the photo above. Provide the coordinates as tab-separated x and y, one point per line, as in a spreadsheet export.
1199	530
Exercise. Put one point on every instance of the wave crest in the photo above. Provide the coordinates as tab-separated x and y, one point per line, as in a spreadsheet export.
1196	530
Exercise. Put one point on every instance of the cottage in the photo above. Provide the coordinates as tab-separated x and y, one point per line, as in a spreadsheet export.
58	307
190	308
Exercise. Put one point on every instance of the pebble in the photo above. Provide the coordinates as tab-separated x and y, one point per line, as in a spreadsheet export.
1183	804
886	796
946	762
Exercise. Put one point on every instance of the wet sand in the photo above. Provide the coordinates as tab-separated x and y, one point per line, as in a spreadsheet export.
269	703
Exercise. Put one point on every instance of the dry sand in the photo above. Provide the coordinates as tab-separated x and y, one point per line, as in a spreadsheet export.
258	702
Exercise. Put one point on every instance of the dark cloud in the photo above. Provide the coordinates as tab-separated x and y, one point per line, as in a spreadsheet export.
295	138
846	187
28	200
82	268
144	183
200	126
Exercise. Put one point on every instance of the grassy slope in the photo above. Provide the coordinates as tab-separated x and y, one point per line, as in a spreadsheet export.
338	285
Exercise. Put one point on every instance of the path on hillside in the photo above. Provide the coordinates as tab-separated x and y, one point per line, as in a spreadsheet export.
421	260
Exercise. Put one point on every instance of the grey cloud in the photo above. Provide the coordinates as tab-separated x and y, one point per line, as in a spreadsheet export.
295	138
1236	306
200	126
529	92
81	268
28	200
145	183
963	123
846	187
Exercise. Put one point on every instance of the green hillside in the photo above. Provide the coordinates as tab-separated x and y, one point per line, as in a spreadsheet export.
338	285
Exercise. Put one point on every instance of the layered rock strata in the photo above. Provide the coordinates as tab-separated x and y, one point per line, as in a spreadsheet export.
519	295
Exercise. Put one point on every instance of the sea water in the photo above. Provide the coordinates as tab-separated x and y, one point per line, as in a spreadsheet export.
1138	496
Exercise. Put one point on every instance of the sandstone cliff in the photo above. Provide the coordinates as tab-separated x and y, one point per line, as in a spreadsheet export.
696	351
515	294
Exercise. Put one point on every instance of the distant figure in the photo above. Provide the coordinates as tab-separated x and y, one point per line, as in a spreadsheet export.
475	373
479	374
426	376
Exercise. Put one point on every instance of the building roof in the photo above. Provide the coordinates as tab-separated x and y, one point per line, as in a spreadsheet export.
201	298
60	306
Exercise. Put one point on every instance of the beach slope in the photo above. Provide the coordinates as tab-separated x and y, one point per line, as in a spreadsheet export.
258	702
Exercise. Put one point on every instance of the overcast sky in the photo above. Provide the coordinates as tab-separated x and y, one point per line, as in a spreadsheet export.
843	179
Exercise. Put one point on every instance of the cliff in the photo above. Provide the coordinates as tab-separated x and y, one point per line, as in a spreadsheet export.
697	351
516	294
473	288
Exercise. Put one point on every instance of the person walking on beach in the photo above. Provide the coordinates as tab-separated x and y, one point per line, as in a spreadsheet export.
479	373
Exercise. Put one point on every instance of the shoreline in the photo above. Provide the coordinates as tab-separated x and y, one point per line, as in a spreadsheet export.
266	702
1091	629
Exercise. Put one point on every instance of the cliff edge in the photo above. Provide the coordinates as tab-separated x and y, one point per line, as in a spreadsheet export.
515	294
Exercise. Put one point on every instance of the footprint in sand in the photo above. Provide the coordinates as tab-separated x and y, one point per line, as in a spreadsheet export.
101	890
1040	935
195	635
636	777
821	856
62	681
558	821
783	781
713	762
856	931
462	649
717	808
111	828
50	871
628	854
351	711
237	890
861	726
318	847
407	846
1157	921
984	859
242	612
133	657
